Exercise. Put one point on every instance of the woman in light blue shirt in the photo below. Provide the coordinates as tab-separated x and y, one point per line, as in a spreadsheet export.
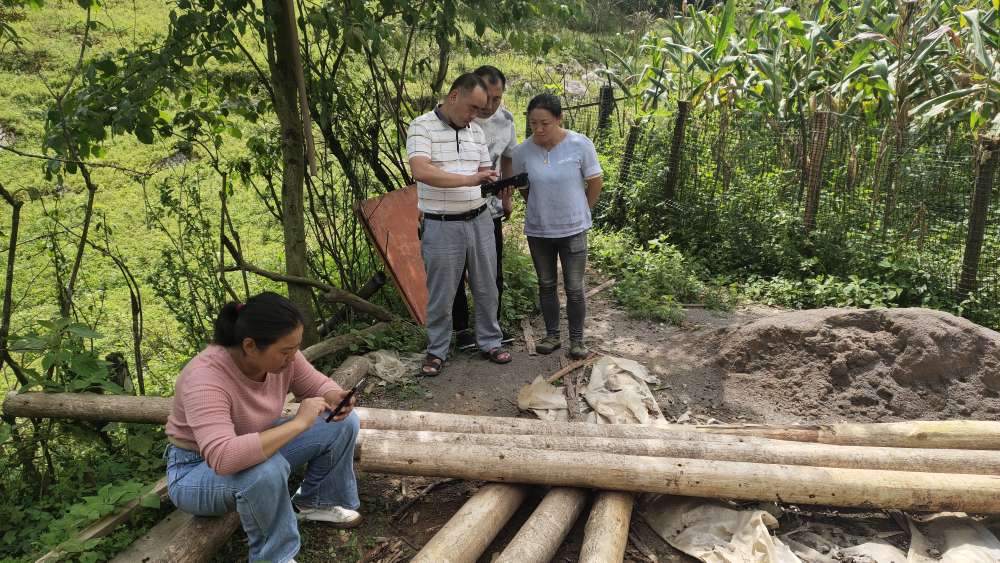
565	180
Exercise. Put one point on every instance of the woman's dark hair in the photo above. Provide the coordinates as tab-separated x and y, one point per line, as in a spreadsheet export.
547	101
265	318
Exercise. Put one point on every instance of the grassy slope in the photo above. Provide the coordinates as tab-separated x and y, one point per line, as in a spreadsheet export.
52	37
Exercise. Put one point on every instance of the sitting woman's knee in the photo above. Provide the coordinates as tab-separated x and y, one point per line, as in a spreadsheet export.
272	472
352	423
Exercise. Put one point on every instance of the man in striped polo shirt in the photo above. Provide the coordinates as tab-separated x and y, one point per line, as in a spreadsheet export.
450	160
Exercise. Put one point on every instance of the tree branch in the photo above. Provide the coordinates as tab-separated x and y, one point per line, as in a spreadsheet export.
8	293
78	162
331	293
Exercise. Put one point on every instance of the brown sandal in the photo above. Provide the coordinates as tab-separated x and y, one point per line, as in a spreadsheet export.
497	356
432	366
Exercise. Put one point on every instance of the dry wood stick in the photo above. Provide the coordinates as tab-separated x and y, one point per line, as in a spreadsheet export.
529	337
572	366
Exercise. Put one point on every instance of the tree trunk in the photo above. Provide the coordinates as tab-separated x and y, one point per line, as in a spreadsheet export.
606	534
293	150
444	52
978	214
471	530
753	450
862	488
540	537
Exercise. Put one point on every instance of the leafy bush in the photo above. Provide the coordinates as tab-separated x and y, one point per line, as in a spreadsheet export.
653	279
520	284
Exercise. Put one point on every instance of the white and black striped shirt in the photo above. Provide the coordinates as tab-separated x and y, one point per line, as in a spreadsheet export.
459	151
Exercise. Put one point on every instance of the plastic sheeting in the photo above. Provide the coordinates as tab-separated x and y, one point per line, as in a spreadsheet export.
713	532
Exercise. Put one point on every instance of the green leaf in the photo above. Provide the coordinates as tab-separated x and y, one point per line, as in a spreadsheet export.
88	366
725	27
977	39
139	443
150	501
27	343
82	330
144	134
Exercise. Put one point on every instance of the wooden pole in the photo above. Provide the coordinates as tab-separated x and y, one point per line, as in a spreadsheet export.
606	534
471	530
181	538
753	450
814	168
701	478
676	146
946	434
986	167
540	537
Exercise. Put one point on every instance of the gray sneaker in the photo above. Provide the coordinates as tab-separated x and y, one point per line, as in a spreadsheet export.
548	345
577	350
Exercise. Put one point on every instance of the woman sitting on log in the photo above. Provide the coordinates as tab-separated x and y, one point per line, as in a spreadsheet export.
231	450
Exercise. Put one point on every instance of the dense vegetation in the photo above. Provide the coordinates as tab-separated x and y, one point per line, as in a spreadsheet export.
151	153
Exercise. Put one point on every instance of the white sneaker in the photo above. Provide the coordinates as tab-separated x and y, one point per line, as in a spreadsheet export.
337	516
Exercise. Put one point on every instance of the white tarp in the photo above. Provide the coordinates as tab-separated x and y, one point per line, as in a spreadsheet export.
544	399
616	393
390	367
712	532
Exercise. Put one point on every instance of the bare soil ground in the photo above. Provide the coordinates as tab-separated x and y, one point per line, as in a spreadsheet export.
751	365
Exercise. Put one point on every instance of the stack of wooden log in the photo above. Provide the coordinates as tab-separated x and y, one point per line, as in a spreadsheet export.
920	466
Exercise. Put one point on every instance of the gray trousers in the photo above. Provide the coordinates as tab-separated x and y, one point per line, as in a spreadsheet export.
447	248
572	252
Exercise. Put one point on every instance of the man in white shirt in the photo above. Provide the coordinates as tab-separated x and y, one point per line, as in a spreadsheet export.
501	138
450	161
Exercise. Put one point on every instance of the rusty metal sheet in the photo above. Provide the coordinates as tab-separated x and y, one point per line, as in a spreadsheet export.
391	223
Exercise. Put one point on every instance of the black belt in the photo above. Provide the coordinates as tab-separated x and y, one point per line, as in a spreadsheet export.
456	216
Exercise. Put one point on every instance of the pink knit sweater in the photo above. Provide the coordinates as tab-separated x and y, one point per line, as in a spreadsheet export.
223	411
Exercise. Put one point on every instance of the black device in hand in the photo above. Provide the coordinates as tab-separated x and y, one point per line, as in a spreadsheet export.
347	398
518	181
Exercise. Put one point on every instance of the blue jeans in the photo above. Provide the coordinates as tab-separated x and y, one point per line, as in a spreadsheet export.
260	493
572	252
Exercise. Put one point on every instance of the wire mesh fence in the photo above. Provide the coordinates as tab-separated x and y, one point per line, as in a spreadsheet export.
747	189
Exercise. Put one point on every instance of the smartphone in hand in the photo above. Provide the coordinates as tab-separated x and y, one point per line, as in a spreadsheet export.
347	398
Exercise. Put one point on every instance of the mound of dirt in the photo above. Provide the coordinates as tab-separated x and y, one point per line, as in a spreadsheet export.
880	364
